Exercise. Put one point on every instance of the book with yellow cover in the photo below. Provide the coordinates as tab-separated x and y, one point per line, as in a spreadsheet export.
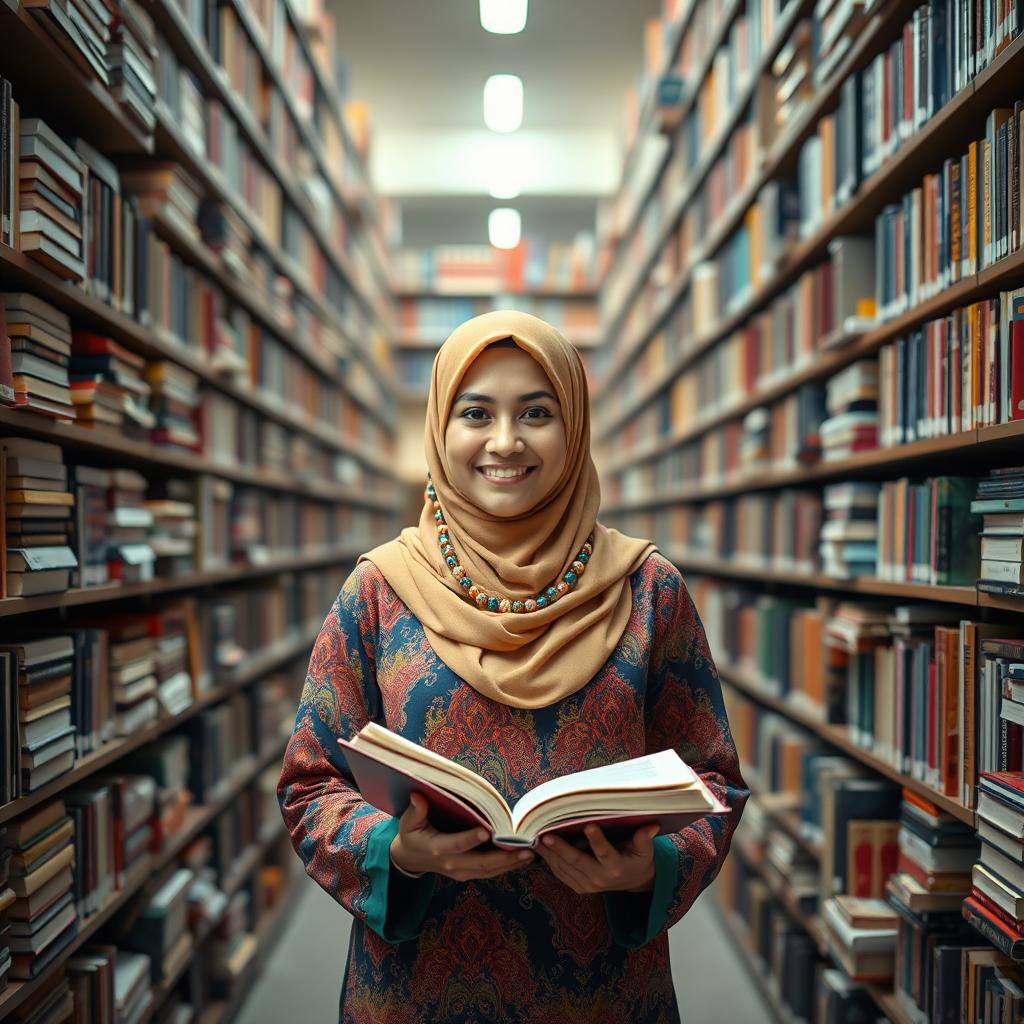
619	797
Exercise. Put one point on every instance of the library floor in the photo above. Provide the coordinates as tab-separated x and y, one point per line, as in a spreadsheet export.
711	984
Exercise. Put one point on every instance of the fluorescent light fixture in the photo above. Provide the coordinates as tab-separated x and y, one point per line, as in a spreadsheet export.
504	227
504	181
503	103
504	17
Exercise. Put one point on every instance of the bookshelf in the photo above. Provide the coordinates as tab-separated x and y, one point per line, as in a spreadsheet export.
723	314
295	407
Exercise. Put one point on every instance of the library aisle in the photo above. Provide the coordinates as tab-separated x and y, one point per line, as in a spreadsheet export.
712	985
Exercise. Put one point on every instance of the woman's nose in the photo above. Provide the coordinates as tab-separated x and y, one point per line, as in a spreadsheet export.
504	440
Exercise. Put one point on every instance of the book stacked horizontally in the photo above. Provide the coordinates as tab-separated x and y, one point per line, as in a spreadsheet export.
996	902
133	993
849	535
107	385
131	54
50	200
174	399
80	27
175	530
861	936
852	405
918	887
134	797
132	673
165	193
130	559
38	509
1000	502
40	339
44	918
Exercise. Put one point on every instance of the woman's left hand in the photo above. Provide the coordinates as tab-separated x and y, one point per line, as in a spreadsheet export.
604	869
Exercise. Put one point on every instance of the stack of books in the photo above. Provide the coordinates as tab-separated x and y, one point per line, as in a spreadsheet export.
232	946
165	193
852	406
38	508
861	937
130	559
7	898
840	1000
849	535
40	338
43	915
225	234
132	673
996	902
131	57
90	973
42	669
50	200
133	994
1000	501
107	385
175	396
175	530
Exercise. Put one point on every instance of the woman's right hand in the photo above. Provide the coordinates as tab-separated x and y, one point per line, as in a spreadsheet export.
419	847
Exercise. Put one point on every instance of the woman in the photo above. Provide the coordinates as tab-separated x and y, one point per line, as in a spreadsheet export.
511	632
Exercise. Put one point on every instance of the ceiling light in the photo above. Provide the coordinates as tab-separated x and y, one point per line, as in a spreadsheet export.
505	17
504	227
504	182
503	103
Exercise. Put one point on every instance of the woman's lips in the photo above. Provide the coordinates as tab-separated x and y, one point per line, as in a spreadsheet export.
505	476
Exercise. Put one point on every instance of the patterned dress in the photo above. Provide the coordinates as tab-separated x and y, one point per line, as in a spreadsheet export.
522	947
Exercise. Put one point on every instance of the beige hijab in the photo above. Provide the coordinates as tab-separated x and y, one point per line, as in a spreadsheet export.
522	659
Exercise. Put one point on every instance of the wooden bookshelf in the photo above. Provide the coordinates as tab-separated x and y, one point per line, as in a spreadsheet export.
350	358
197	819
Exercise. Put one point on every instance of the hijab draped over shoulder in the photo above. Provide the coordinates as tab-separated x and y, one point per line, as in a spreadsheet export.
523	659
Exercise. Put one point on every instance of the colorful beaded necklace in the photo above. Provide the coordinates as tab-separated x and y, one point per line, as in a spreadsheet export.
488	602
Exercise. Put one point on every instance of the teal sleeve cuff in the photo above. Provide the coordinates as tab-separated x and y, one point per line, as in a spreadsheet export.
637	917
397	904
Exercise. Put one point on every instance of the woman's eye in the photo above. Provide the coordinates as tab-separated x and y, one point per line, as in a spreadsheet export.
537	412
475	413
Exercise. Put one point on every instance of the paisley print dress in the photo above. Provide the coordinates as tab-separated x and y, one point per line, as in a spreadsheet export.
522	947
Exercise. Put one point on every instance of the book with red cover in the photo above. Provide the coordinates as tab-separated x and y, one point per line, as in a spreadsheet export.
986	918
657	788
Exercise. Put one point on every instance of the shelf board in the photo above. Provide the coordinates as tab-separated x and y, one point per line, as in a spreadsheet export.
568	294
819	581
79	596
838	736
897	459
197	818
111	444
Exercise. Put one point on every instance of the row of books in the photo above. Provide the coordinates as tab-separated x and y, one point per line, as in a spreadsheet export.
962	372
91	222
772	225
483	270
917	686
103	678
83	526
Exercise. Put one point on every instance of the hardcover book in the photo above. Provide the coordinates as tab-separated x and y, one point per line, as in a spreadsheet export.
620	797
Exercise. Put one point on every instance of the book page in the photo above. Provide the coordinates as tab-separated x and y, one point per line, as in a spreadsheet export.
664	770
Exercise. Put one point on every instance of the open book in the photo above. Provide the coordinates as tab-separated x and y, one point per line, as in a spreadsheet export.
618	797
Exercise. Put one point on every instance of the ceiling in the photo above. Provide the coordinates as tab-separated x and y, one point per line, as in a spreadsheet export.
421	65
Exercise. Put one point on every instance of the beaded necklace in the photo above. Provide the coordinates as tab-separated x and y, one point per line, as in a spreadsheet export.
489	602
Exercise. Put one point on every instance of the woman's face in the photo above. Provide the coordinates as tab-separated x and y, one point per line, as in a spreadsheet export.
505	437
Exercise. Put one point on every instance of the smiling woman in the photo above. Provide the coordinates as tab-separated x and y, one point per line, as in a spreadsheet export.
513	633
